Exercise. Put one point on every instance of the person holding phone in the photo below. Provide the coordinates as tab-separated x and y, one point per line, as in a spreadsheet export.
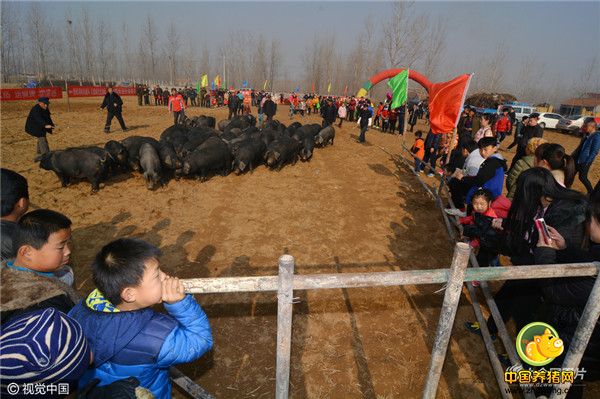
565	298
538	195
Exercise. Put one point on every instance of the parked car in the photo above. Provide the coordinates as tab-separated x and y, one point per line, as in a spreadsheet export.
571	125
549	120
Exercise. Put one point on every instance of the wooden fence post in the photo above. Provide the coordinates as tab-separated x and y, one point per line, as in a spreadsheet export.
284	325
460	260
584	330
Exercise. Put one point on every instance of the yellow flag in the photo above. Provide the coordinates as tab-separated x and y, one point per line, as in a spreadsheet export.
265	85
329	88
204	82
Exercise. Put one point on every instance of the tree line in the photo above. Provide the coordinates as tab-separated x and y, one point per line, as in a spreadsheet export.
86	48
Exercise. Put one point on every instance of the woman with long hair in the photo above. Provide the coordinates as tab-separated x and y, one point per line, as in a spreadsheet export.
538	195
486	128
553	157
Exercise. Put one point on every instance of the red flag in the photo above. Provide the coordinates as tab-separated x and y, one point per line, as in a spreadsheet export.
445	101
313	87
345	90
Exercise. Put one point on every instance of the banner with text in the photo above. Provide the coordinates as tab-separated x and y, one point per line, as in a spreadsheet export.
98	91
30	94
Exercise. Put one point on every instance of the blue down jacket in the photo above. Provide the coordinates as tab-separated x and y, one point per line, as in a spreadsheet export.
143	343
490	176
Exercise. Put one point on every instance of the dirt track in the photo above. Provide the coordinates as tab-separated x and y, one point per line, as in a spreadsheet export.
351	209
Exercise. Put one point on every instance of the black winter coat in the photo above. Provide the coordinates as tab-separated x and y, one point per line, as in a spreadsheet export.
529	132
36	120
489	238
330	113
232	102
112	102
567	217
564	300
365	114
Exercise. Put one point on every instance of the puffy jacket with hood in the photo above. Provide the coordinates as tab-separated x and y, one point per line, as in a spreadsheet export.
142	343
490	176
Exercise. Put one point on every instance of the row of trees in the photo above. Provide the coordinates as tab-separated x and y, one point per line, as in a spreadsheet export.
87	49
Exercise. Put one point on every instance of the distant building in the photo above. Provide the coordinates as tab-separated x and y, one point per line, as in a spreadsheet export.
587	105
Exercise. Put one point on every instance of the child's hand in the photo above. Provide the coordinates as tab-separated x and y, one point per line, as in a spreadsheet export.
172	290
497	224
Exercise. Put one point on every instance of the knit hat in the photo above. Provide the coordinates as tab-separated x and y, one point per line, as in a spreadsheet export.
44	100
42	346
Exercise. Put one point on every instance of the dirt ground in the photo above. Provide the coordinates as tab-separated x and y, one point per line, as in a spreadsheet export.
352	208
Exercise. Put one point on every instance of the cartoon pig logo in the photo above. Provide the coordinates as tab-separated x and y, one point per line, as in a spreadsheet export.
544	347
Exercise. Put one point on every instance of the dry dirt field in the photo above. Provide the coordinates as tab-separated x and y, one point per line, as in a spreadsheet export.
353	208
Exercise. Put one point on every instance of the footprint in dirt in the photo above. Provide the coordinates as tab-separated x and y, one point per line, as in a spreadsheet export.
366	143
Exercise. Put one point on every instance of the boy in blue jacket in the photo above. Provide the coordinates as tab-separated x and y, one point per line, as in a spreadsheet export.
127	337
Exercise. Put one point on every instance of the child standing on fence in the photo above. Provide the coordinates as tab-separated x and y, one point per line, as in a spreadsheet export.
128	338
418	150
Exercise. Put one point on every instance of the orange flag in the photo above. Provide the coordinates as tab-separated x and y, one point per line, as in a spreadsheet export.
445	101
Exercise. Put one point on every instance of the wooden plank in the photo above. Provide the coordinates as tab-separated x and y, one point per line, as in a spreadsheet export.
406	277
284	326
460	261
584	331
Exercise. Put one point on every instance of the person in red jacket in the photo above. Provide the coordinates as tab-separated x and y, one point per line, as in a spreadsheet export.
503	126
176	106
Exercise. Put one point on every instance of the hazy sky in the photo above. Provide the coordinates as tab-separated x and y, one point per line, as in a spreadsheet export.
560	35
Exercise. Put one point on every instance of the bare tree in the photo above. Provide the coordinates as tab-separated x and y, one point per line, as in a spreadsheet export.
88	46
10	21
189	61
403	39
205	67
492	69
150	42
172	46
75	59
57	48
39	35
127	63
102	39
274	62
434	48
529	80
142	61
313	64
589	79
259	63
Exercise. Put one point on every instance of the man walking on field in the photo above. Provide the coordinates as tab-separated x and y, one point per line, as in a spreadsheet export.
39	123
114	105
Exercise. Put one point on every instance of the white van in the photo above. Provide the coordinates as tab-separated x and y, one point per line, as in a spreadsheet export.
521	110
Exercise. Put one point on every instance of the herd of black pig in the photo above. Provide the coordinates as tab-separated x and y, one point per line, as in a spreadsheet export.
193	149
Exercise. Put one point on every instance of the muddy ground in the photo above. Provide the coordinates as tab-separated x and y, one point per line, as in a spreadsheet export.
352	208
